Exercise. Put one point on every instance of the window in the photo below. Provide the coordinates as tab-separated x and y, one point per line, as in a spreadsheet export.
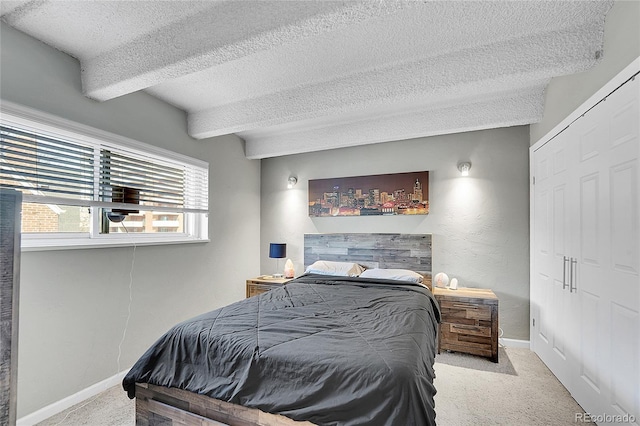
84	187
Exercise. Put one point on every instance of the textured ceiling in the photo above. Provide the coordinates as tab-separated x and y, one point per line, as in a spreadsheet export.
300	76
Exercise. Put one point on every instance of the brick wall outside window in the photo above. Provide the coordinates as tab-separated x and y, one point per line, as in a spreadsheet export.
39	218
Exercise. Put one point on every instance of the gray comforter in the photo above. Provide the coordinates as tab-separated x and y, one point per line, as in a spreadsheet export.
330	350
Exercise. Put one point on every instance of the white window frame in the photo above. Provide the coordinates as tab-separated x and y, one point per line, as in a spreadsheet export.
195	224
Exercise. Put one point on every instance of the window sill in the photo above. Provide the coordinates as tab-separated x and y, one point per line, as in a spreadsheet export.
87	243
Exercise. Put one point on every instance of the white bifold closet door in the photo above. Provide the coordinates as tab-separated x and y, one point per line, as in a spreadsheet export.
586	258
552	244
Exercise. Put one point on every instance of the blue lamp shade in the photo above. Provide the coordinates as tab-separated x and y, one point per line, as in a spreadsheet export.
277	250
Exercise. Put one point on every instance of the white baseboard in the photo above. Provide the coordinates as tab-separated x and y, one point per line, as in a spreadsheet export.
514	343
59	406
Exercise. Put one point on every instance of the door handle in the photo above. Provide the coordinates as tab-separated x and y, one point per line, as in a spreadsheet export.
574	276
565	259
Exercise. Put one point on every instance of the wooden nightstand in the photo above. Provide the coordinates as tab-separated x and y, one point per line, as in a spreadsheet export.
469	321
260	285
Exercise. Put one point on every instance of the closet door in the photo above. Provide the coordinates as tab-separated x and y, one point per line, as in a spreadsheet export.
552	219
586	257
624	253
605	256
542	257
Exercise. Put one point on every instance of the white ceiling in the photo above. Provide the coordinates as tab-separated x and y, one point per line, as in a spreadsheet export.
300	76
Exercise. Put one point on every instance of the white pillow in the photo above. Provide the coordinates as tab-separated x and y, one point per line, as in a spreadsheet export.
343	269
393	274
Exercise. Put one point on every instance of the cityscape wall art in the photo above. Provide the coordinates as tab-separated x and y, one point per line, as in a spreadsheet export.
375	195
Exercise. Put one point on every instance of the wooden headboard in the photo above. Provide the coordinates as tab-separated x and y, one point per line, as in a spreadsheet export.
403	251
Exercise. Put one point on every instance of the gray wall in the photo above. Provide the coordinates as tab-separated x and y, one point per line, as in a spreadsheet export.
621	47
73	303
479	223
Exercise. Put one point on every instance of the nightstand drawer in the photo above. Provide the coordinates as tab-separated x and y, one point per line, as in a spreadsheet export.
471	348
470	330
259	285
254	289
464	313
473	340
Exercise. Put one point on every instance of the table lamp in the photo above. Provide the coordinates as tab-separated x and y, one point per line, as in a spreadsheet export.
277	251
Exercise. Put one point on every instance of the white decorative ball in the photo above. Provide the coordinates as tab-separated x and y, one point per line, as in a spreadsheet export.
442	279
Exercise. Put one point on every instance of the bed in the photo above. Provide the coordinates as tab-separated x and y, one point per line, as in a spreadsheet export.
323	349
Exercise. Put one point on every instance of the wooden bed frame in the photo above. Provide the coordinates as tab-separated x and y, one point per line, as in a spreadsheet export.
158	405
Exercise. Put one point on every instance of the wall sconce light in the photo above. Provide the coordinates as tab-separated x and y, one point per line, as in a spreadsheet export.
464	168
292	182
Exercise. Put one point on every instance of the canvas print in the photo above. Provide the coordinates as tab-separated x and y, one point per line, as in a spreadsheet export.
375	195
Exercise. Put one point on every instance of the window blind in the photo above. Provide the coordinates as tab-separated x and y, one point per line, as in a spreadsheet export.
58	170
155	184
42	166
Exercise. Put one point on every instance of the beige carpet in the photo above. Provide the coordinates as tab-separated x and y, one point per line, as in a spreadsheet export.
519	390
110	408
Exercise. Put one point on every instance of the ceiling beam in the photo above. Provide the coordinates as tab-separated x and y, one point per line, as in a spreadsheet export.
458	75
215	37
511	109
